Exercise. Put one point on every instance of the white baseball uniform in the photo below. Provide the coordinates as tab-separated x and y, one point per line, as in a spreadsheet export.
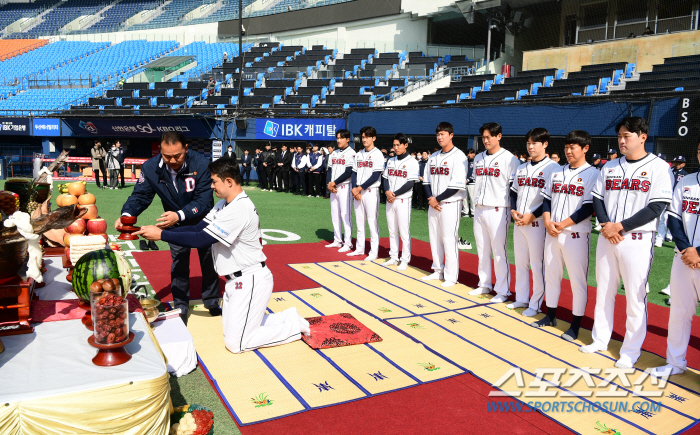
493	175
398	213
685	282
528	241
367	208
238	256
341	208
626	188
446	170
569	189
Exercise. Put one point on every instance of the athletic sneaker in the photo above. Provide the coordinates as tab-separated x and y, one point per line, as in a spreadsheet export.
516	304
463	244
623	364
666	370
344	249
530	312
391	262
658	243
598	228
402	266
355	253
432	276
448	283
499	299
591	348
310	196
479	291
370	258
667	290
334	245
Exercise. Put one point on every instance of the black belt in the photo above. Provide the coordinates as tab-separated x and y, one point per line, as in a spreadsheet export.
240	273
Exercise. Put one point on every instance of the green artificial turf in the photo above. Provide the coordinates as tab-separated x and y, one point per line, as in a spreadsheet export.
310	219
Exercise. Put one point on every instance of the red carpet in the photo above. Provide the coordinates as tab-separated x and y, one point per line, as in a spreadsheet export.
456	405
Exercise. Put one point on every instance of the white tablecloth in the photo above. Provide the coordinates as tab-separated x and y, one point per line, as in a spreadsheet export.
175	340
177	344
57	359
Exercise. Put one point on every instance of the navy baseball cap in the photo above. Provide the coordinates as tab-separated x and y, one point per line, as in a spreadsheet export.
662	156
611	151
679	159
471	150
596	156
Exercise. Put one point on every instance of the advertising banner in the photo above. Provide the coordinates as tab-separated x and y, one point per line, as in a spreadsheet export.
14	127
298	129
98	127
46	126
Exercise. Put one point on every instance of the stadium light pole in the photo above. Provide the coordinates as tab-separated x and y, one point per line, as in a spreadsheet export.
240	50
488	44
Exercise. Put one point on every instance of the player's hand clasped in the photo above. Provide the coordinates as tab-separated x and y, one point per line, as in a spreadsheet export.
149	232
432	201
522	219
612	232
690	257
390	197
357	193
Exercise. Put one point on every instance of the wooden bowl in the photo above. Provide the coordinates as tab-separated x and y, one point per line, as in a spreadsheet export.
128	220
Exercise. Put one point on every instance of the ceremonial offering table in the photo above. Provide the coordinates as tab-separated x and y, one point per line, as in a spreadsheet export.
50	384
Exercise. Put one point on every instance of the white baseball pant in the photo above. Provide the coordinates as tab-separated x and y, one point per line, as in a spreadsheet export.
341	214
685	283
630	259
367	210
443	230
246	326
528	242
570	249
491	235
398	219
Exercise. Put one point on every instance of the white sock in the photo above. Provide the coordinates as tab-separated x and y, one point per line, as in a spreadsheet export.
432	276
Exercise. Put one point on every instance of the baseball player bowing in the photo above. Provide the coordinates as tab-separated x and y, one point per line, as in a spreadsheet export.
338	175
400	174
566	209
526	210
445	187
366	174
685	272
630	195
494	171
232	229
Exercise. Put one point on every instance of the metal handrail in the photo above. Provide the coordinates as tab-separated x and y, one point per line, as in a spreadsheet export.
417	85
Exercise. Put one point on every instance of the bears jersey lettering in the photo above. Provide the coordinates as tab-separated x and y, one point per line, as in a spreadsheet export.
447	171
493	177
398	172
569	189
341	159
627	187
366	163
530	180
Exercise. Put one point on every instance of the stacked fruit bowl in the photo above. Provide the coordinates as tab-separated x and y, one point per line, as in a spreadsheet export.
90	224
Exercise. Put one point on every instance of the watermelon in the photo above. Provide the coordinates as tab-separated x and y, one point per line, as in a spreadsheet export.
91	267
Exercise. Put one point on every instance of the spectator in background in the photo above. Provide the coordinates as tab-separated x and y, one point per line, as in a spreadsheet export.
555	158
631	36
260	169
648	31
596	162
121	82
98	155
284	165
113	165
468	203
211	86
315	164
420	201
121	161
225	57
612	154
323	187
268	161
229	153
247	163
300	165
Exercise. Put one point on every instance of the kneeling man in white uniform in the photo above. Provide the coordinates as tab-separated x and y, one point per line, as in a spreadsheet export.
233	228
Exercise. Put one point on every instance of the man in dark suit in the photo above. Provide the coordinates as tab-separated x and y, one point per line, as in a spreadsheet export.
273	175
284	165
230	154
247	163
260	169
268	161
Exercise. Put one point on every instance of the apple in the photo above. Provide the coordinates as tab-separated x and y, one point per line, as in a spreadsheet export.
68	237
115	247
97	226
103	235
91	213
77	227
